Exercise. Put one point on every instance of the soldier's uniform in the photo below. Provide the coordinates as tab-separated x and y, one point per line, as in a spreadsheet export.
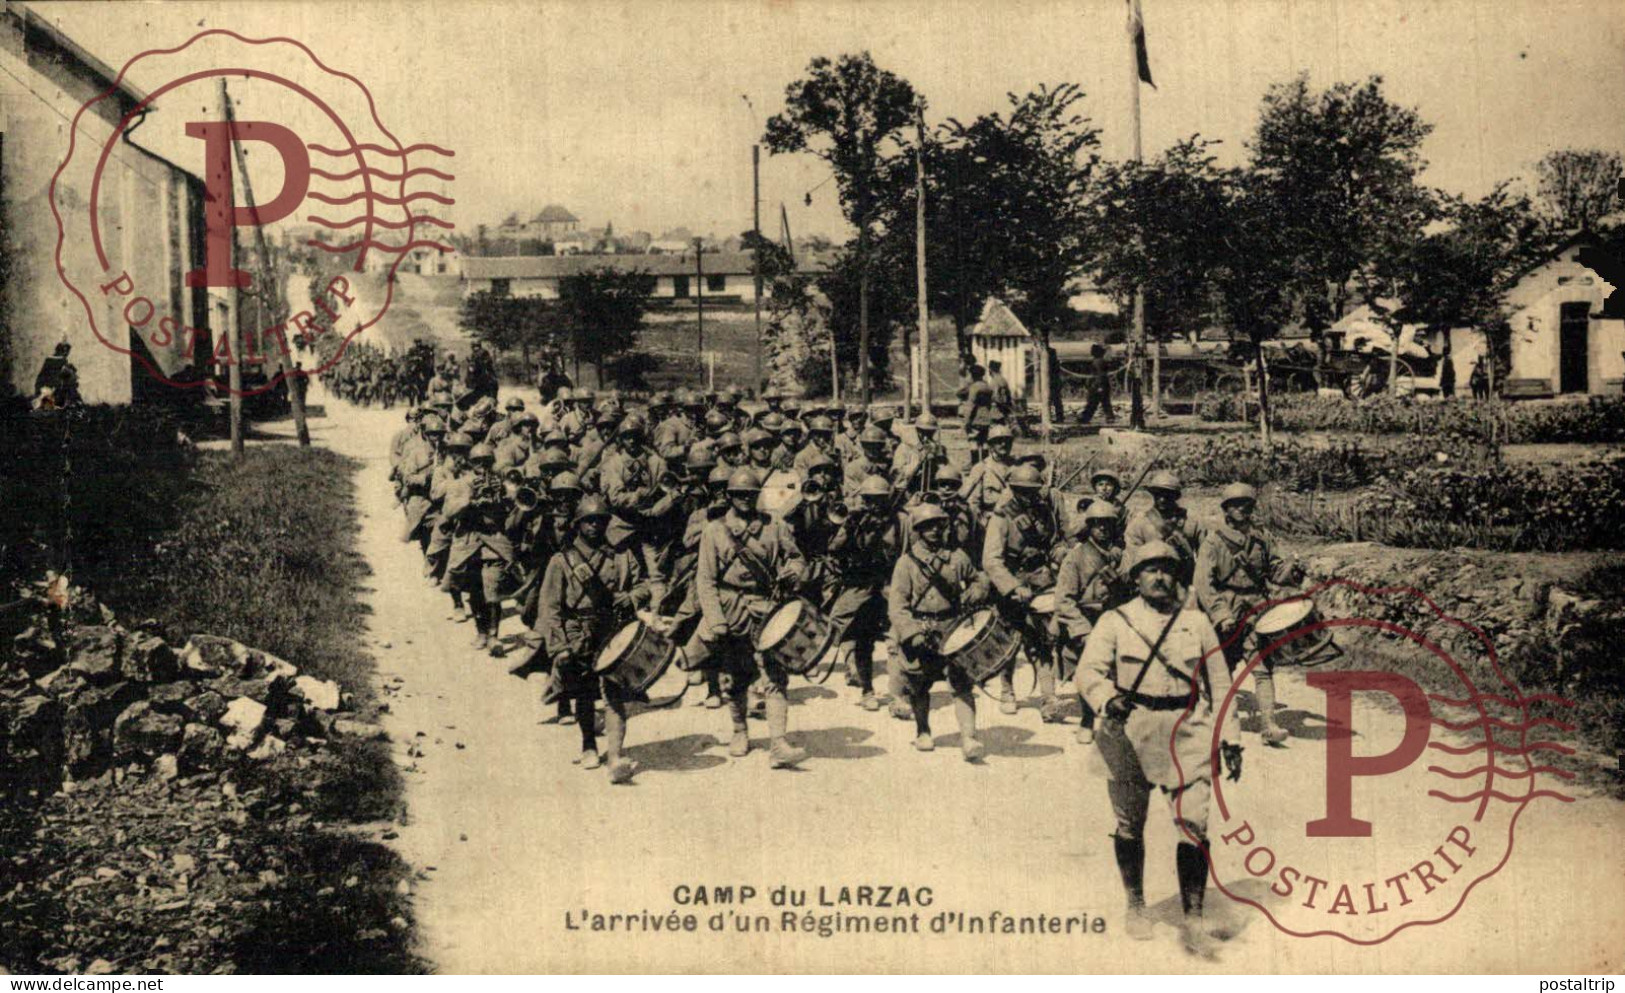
871	461
863	550
635	481
1174	528
413	472
1157	679
481	551
847	444
1018	555
745	558
933	585
1234	571
1089	581
588	592
987	484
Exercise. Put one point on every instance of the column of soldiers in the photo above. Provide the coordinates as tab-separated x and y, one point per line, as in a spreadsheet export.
589	512
370	375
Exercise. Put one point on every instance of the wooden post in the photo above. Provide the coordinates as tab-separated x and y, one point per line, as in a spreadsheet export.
234	372
269	290
919	263
756	224
699	297
1137	359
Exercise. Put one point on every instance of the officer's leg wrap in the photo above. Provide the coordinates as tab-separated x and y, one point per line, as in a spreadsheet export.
1130	854
775	683
918	694
1190	861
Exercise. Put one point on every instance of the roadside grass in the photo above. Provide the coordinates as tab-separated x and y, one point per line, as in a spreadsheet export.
264	551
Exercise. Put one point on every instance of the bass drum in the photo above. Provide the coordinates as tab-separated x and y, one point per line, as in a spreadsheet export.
981	645
796	635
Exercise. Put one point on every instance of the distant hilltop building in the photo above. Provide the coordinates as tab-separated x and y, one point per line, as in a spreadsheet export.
552	223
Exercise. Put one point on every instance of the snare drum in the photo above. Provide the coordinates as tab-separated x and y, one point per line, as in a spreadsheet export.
635	657
1281	620
796	635
981	645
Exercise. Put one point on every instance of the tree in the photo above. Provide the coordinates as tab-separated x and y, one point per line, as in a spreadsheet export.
603	310
1579	187
1341	166
1161	226
508	323
847	112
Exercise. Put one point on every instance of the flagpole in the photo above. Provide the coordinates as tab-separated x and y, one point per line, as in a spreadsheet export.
1137	367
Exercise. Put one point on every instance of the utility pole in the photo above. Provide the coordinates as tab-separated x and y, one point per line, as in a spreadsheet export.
919	265
1137	361
234	372
756	257
269	292
699	297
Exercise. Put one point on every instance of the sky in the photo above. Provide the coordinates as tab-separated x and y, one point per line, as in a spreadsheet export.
642	113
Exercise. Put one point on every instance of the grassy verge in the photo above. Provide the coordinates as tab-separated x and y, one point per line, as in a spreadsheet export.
262	551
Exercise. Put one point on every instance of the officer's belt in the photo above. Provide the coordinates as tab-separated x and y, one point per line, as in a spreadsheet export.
1158	702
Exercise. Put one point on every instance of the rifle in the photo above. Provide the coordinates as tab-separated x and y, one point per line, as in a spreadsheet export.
1080	470
1143	473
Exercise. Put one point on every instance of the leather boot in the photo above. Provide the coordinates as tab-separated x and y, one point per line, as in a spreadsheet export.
1131	866
1191	862
621	768
1264	692
785	755
493	626
482	622
739	747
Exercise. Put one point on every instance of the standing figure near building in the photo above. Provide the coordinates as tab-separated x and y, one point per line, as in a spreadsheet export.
1152	668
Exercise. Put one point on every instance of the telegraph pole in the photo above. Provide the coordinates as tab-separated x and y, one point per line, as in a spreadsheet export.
1137	361
699	298
919	265
234	372
269	292
756	257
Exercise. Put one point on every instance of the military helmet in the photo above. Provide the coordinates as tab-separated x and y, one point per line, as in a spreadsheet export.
554	458
459	442
1164	480
482	453
565	482
1151	551
1100	510
757	436
856	410
872	435
772	422
716	420
514	403
926	513
1105	473
999	432
1238	492
875	486
817	460
821	425
433	425
527	417
720	474
744	481
948	473
727	440
878	413
633	424
700	457
927	421
1026	477
591	505
607	414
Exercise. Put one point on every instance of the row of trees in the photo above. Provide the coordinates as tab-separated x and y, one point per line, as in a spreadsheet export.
1327	212
595	319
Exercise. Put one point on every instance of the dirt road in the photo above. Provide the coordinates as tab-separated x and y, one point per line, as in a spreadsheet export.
513	837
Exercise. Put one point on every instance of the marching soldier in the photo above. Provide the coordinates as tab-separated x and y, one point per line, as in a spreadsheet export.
589	589
1166	521
915	464
977	411
730	450
931	585
864	547
1088	583
414	472
1153	670
1234	570
745	560
820	445
639	487
761	450
675	429
1108	487
883	418
985	486
962	523
1017	555
871	462
450	471
848	441
480	551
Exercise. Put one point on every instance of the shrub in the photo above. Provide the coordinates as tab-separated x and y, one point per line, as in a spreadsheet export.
1597	419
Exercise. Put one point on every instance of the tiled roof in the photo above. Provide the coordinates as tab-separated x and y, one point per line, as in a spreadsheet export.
558	266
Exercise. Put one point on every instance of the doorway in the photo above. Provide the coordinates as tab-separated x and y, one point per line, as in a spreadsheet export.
1574	327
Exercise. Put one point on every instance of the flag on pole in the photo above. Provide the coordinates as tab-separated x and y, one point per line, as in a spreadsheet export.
1136	30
